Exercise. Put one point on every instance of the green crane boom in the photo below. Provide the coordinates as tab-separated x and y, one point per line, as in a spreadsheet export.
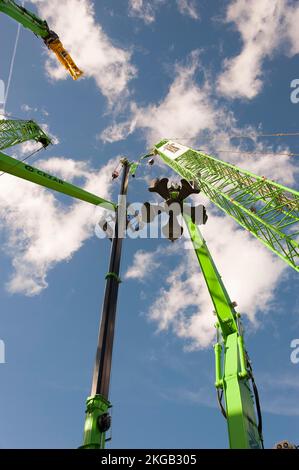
97	413
40	28
35	175
266	209
16	132
28	19
255	197
236	380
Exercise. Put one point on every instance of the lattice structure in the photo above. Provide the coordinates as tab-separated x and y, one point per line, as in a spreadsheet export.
267	209
16	132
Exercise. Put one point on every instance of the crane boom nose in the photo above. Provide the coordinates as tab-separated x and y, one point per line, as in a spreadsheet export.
54	44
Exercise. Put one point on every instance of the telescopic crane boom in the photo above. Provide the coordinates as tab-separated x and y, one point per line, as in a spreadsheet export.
40	28
234	377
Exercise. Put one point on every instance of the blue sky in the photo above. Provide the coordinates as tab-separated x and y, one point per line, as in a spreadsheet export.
197	71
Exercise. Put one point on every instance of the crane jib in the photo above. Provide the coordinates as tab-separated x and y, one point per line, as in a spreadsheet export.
31	169
266	209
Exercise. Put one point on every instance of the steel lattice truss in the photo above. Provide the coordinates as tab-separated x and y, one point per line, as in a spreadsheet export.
268	210
16	132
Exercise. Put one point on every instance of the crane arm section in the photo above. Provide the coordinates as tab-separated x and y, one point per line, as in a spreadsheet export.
22	170
268	210
28	19
236	379
224	308
17	132
40	28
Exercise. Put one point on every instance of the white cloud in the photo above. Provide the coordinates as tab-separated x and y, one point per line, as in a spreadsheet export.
250	273
189	8
28	109
264	160
183	113
281	381
91	48
274	390
41	232
144	9
264	26
143	265
292	19
190	114
147	9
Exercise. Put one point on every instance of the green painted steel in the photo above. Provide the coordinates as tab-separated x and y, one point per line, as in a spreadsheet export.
28	19
218	365
16	132
35	175
223	306
234	380
96	408
266	209
240	411
40	28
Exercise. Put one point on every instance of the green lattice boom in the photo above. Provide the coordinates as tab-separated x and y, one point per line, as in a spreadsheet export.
267	209
16	132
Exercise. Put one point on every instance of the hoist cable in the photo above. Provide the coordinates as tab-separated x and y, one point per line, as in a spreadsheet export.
284	154
12	63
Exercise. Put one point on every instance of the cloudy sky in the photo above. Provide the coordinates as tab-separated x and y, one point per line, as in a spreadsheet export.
197	71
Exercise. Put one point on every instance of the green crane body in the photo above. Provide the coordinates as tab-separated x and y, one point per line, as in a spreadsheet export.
233	370
41	29
234	380
266	209
98	420
21	131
